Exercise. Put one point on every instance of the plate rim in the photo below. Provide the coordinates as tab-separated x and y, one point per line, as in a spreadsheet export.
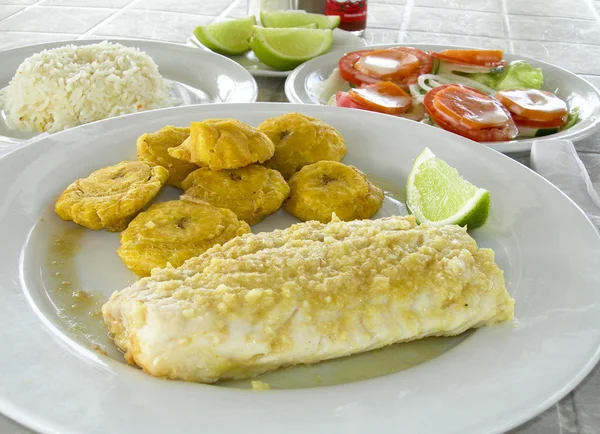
37	423
512	146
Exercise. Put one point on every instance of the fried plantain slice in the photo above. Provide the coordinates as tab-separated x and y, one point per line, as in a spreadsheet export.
110	197
152	148
224	144
327	187
174	231
300	140
251	192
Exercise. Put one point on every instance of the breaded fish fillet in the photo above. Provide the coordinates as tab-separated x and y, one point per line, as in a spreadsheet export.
304	294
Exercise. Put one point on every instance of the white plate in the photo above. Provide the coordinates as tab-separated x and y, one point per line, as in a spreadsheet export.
575	90
489	381
194	77
342	40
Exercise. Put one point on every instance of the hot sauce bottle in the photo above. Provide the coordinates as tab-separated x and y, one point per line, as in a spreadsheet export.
353	14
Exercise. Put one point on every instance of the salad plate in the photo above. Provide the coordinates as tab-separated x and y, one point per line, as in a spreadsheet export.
61	373
342	41
193	77
305	86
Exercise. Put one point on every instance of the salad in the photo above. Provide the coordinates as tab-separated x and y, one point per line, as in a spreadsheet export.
474	93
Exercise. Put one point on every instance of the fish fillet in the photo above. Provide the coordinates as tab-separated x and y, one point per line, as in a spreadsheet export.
304	294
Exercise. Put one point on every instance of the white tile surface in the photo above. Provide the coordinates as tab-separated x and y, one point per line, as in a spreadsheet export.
8	10
12	40
454	21
555	8
239	9
87	3
384	15
473	5
157	25
414	37
555	29
577	58
381	36
212	7
54	20
389	2
17	2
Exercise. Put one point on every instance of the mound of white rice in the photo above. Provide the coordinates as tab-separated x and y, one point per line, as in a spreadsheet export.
73	85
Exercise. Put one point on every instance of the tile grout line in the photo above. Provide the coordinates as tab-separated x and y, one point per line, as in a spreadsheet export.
506	24
406	13
501	38
226	11
10	15
113	15
21	11
501	12
595	13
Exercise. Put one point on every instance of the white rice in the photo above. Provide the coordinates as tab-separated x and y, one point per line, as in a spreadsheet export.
72	85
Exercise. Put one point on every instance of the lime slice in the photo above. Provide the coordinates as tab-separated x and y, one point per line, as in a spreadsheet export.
297	19
284	49
438	195
229	37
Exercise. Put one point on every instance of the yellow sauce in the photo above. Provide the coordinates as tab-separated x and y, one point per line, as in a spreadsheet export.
77	307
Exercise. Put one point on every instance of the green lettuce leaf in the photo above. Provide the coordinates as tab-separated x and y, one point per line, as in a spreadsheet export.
572	118
517	75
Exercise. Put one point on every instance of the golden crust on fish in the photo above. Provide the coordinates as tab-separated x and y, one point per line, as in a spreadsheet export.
251	192
300	140
304	294
224	144
327	187
152	148
171	232
110	197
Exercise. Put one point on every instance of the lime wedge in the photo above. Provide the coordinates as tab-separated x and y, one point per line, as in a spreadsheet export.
229	37
284	49
438	195
297	19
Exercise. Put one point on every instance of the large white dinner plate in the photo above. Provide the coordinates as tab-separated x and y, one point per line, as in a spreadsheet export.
487	381
342	40
194	77
578	92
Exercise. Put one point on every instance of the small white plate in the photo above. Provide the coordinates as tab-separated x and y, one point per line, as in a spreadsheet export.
486	381
575	90
194	77
342	40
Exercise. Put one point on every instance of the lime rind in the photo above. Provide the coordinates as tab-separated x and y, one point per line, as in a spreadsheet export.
231	38
283	19
473	213
286	48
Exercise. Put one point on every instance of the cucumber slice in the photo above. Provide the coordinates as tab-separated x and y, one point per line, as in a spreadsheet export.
526	132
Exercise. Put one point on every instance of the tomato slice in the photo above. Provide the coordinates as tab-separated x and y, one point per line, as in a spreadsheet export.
520	121
343	99
425	63
387	64
471	107
536	105
365	73
383	97
488	58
